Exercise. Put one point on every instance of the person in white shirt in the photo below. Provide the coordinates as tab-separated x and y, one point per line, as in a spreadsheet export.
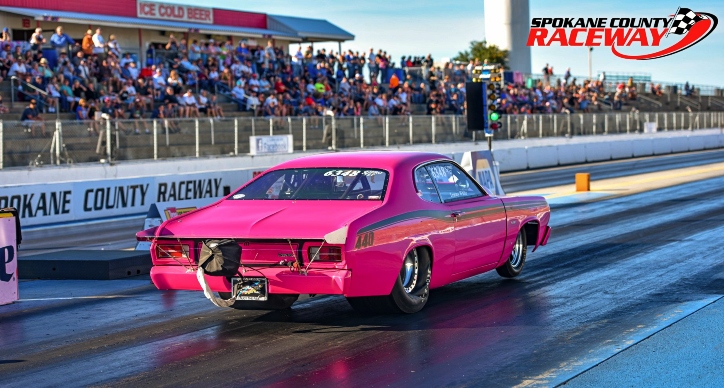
130	91
238	92
133	70
254	83
37	39
271	99
252	102
239	95
126	59
192	107
99	44
159	83
213	77
203	103
18	69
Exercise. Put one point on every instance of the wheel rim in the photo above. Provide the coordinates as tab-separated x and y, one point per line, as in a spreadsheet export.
516	257
409	271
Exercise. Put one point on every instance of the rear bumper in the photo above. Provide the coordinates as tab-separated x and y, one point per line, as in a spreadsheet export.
281	280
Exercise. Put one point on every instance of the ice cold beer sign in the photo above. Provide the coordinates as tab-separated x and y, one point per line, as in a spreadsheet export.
186	13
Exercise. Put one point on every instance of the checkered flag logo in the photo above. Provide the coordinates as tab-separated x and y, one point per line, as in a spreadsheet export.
683	20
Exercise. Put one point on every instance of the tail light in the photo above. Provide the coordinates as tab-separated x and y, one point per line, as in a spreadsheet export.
333	254
173	254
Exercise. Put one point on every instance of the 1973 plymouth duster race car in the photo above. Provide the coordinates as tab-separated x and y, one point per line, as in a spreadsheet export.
380	228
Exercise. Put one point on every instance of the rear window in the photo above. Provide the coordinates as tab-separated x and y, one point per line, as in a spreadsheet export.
318	184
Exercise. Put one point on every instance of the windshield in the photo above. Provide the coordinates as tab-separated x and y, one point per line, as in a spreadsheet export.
317	184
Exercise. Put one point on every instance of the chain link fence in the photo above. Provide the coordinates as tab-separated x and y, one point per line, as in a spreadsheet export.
67	142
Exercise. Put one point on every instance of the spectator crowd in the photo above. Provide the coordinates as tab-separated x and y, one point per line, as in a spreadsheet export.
95	77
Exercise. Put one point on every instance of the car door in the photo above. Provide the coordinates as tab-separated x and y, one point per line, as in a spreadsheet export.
479	219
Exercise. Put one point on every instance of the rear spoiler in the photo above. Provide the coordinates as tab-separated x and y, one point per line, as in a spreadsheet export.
147	235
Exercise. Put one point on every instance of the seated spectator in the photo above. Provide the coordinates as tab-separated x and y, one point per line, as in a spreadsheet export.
136	111
176	82
18	69
252	103
159	82
126	59
191	104
188	66
239	96
203	103
215	107
31	118
81	111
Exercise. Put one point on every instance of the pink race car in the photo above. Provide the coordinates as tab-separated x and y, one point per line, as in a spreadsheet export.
380	228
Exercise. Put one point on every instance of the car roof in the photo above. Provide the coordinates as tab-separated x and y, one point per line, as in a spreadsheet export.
386	160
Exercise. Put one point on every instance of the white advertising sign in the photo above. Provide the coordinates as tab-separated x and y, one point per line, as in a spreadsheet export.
177	12
44	204
483	168
277	144
650	127
8	259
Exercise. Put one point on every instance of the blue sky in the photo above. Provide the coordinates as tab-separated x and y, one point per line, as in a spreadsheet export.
444	27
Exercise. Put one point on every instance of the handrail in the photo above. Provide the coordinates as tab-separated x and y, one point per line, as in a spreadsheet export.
688	101
650	100
41	91
712	99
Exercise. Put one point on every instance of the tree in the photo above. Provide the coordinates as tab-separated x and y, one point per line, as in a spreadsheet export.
481	51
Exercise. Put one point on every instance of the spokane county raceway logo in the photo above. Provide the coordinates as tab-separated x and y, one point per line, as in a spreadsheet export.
691	27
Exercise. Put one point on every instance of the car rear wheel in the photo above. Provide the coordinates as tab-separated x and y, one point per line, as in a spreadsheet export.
273	302
514	265
410	291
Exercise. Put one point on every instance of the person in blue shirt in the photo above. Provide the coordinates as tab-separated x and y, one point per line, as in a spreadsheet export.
60	41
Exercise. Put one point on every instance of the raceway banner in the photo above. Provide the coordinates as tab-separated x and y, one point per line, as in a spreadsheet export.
8	258
42	204
481	166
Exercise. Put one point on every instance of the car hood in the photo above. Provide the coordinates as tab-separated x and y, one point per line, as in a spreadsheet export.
262	219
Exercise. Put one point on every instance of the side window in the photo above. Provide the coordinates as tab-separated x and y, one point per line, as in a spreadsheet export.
452	183
425	186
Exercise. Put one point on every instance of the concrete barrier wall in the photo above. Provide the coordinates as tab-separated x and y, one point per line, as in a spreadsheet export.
680	145
621	150
598	152
696	143
571	154
58	183
542	156
662	146
643	147
511	159
711	141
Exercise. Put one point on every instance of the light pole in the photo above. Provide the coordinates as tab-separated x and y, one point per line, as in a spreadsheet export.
590	65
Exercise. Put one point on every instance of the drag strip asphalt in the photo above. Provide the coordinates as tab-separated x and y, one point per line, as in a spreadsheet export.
535	179
613	273
120	234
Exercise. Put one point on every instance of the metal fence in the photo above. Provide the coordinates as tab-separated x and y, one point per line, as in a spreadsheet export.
69	142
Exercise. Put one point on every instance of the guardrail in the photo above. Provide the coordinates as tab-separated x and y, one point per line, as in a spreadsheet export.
113	140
